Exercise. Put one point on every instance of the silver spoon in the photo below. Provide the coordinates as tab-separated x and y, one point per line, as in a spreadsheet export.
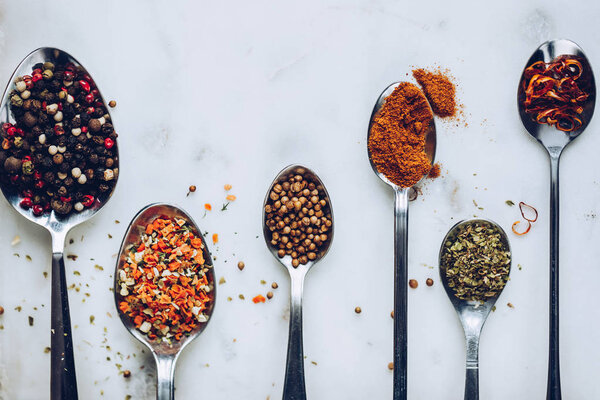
164	353
294	388
472	314
63	383
555	141
400	254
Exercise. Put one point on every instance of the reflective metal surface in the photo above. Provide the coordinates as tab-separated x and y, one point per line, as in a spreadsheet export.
401	254
164	353
555	141
294	386
63	380
472	314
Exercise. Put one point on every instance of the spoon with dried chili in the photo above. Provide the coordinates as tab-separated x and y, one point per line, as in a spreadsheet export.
401	147
475	262
556	100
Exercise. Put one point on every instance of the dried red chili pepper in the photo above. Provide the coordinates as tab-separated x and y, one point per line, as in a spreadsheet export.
521	233
521	205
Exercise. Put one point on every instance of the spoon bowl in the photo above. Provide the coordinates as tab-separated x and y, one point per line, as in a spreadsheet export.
63	383
165	353
549	136
294	385
400	250
555	141
472	314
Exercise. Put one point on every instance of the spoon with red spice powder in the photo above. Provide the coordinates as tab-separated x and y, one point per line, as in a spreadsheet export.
401	146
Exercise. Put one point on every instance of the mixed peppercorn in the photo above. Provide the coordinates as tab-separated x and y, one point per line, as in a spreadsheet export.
298	215
61	152
165	284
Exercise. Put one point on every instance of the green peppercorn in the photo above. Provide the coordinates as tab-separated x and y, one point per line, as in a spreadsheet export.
18	142
49	66
47	74
16	100
27	167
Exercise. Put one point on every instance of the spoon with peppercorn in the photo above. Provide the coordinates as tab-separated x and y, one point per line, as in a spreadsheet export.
401	243
43	171
568	85
298	230
165	349
475	262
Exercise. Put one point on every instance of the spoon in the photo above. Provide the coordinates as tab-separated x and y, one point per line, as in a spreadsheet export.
164	353
472	314
63	382
555	141
400	254
294	388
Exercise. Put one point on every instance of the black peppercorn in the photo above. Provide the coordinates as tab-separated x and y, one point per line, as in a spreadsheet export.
12	165
29	119
93	158
49	176
107	128
61	207
68	181
109	162
103	187
64	167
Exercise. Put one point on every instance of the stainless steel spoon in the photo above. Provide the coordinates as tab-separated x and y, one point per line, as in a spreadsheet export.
400	255
555	141
63	383
164	353
294	388
472	314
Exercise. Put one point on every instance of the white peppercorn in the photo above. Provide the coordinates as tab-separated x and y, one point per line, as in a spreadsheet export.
78	206
52	150
76	172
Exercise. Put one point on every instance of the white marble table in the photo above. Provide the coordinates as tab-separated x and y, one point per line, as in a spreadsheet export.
211	93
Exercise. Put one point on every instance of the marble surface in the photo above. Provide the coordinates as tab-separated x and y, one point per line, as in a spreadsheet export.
211	93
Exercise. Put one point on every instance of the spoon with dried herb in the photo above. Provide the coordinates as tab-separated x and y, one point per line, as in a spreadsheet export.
475	264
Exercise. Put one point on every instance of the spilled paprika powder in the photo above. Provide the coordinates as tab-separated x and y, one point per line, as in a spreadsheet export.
439	90
397	136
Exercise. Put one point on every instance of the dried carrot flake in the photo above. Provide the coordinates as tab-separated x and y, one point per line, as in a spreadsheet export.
230	197
227	187
215	238
259	299
207	207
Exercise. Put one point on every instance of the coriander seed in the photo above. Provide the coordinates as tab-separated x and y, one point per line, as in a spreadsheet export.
358	310
241	265
429	282
413	283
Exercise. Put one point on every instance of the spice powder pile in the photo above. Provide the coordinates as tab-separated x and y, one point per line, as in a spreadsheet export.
397	137
165	283
439	90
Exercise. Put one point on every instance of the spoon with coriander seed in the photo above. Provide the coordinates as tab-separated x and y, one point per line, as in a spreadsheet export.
49	108
556	100
164	286
475	262
298	230
401	115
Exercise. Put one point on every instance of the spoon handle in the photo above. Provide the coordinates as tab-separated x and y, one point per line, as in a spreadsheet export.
553	391
63	382
472	373
400	293
165	376
293	388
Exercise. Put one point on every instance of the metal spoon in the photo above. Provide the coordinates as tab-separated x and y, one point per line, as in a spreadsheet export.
294	388
400	254
164	353
555	141
63	383
472	314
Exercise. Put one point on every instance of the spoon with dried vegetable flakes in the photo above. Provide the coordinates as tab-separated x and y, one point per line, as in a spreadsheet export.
475	261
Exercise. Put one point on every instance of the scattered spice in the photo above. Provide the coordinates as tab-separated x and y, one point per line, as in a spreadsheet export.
439	90
230	197
555	93
16	240
476	261
509	203
191	189
1	310
391	366
298	215
274	285
392	314
227	187
222	280
530	220
510	305
413	283
30	320
429	282
224	207
72	257
259	299
397	136
516	224
435	171
61	153
112	104
47	350
358	310
164	282
269	295
126	373
208	207
241	265
215	238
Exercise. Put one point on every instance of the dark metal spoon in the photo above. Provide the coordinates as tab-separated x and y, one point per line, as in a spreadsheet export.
472	314
294	387
400	255
63	382
164	353
555	141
